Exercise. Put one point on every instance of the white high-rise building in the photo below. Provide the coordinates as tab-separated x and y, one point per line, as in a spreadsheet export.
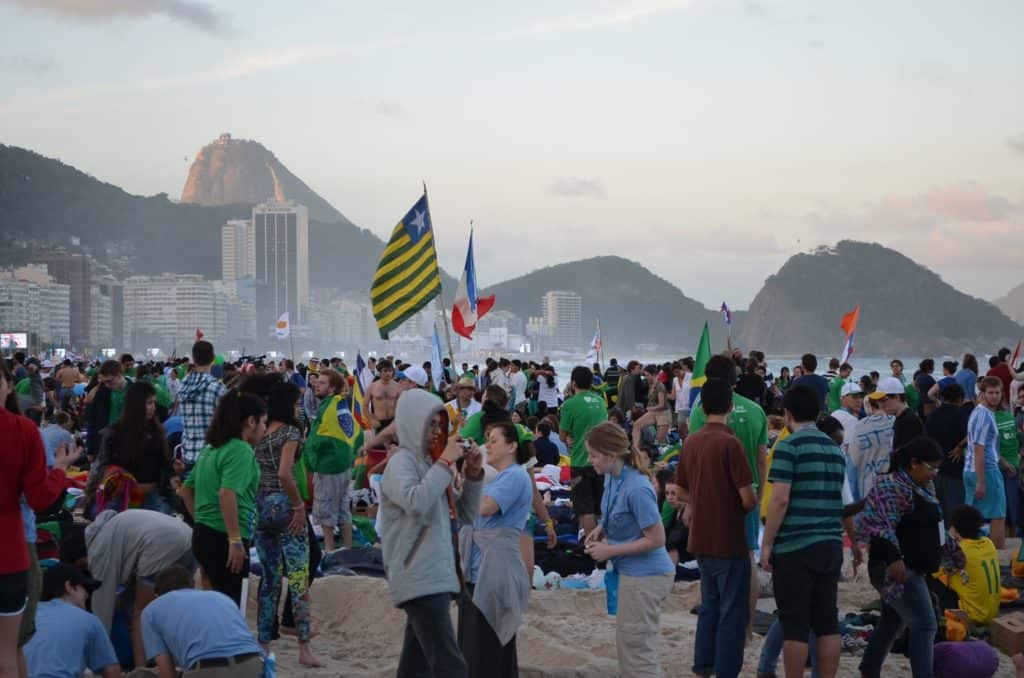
563	316
30	301
237	250
165	311
281	262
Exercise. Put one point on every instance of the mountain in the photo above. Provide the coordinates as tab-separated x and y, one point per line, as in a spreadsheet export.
239	171
906	309
44	201
635	306
1012	303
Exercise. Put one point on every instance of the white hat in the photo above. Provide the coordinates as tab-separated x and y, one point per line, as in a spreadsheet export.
417	375
852	388
47	365
888	386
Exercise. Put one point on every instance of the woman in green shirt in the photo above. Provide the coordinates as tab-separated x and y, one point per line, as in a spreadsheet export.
220	493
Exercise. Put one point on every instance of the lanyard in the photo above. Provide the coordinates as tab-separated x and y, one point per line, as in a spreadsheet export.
612	497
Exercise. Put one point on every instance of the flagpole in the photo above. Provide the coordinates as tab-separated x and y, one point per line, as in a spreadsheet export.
440	283
600	350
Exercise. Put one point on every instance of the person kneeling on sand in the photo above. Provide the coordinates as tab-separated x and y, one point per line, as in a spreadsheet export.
418	511
201	631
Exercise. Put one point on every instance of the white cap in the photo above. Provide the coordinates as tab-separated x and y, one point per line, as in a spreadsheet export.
47	365
417	375
888	386
852	388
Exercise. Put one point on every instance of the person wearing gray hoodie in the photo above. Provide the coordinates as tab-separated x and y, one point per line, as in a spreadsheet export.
419	511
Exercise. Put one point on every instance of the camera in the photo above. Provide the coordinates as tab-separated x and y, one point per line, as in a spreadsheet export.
466	444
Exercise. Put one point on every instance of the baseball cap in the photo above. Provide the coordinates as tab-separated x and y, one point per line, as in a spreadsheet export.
47	365
887	386
852	388
417	375
57	576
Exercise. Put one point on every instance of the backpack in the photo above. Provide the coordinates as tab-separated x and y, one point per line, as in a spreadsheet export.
117	491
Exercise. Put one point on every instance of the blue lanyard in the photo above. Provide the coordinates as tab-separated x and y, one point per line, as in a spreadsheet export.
612	497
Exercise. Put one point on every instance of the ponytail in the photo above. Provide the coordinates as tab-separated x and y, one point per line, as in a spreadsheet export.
609	438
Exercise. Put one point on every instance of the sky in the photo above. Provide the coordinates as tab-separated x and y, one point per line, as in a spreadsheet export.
708	140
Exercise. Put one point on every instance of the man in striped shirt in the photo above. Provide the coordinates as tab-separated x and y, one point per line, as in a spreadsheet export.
983	481
802	542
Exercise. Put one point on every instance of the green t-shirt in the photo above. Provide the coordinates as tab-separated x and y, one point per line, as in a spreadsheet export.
117	403
581	413
23	387
232	466
473	429
835	390
1009	445
747	422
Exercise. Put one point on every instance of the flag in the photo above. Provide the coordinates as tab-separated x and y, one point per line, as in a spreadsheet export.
1016	355
359	394
282	328
436	361
468	308
700	364
849	325
199	334
595	348
334	438
365	376
407	276
727	312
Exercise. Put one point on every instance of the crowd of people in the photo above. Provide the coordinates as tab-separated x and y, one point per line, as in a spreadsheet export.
150	477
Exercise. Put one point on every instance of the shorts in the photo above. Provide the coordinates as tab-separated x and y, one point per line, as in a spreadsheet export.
806	584
663	418
383	424
587	488
35	589
13	593
330	499
993	504
752	525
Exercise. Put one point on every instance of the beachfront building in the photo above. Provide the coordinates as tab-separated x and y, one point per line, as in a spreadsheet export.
32	301
237	250
563	316
164	311
281	262
75	271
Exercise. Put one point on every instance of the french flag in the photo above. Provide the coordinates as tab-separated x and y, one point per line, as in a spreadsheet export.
468	308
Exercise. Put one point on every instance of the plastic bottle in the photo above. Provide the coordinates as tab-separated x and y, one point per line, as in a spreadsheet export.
611	588
270	666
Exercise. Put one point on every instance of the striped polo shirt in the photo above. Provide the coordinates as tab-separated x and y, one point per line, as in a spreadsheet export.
812	465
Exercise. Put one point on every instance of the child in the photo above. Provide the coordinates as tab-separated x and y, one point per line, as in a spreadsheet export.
676	533
969	576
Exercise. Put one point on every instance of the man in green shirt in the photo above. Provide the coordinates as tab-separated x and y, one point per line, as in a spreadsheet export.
1009	465
835	387
580	413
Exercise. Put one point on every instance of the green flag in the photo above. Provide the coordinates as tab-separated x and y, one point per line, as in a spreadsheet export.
700	363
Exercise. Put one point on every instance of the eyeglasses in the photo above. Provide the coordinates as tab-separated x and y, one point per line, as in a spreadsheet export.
932	468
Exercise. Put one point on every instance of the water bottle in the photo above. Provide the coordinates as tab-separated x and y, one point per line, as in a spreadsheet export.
270	666
611	588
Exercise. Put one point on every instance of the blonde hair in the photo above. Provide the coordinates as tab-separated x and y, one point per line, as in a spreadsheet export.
610	439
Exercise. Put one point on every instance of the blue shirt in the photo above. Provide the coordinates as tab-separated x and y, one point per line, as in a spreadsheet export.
513	493
982	430
190	625
968	381
53	436
68	641
628	506
818	383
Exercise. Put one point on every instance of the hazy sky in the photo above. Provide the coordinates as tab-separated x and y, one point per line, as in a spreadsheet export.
707	140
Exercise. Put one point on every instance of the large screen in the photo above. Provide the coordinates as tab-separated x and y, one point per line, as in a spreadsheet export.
11	340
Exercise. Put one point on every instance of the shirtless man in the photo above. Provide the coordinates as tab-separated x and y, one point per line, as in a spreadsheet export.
382	396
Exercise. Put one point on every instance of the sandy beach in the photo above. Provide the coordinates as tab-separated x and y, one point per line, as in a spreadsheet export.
567	633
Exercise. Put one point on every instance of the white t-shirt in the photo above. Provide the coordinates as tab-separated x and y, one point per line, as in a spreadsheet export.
870	446
517	380
548	394
682	389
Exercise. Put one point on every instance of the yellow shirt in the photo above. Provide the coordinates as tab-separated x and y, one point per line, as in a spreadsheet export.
979	596
766	496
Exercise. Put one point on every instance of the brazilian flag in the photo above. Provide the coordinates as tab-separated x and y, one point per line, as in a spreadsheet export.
334	438
407	276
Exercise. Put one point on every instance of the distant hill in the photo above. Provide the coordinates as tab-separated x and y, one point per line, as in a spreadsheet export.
906	309
231	171
46	201
635	306
1012	303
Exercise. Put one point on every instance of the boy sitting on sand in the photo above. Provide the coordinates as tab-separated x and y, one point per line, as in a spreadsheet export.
969	577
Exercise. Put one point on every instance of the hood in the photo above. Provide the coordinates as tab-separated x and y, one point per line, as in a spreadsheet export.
412	416
96	525
194	384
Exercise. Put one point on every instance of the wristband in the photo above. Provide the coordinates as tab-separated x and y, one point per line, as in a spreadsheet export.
298	508
549	523
232	542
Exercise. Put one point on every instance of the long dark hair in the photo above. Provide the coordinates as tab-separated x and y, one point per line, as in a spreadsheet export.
133	427
11	404
281	403
229	419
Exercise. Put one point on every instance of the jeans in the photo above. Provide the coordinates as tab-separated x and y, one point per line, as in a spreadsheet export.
913	609
1012	498
950	491
772	648
429	649
723	615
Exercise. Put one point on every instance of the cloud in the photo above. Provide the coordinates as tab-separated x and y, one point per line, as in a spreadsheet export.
1016	143
196	14
622	13
388	108
577	187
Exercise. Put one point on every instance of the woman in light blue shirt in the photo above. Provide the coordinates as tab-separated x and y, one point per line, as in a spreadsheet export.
632	536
